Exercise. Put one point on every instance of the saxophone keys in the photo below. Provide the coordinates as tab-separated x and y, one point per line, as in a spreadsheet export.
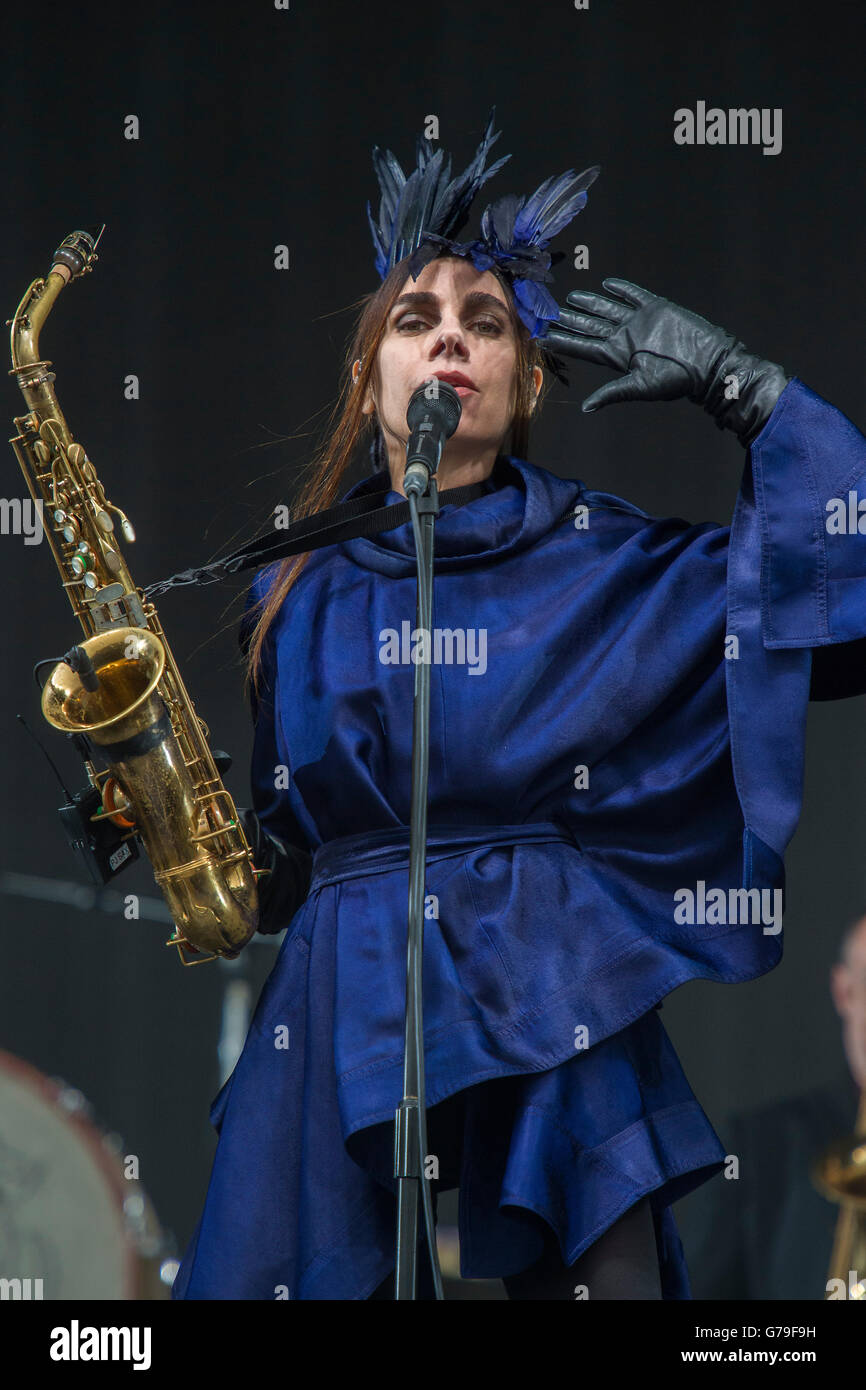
67	525
125	523
114	803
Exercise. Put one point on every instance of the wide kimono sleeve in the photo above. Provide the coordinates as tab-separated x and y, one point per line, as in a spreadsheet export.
796	600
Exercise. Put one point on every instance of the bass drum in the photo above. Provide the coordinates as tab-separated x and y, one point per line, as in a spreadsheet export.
68	1214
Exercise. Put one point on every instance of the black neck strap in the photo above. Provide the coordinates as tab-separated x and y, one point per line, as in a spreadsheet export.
362	516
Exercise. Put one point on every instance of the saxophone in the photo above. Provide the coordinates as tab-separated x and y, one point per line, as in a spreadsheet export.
840	1174
118	694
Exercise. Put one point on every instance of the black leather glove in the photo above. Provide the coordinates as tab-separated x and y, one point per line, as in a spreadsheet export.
281	891
667	352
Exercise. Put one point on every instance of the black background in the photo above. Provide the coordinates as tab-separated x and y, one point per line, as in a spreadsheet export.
256	127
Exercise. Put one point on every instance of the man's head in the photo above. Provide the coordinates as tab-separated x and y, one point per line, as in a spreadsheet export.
848	988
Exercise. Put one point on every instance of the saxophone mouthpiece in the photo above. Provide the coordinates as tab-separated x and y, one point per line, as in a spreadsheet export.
76	254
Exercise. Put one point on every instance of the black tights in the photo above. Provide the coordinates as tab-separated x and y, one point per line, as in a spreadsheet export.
621	1264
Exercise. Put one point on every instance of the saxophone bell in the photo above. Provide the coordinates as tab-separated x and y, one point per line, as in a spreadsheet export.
125	717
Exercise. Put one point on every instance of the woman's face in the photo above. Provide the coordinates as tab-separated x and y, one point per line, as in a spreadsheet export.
452	319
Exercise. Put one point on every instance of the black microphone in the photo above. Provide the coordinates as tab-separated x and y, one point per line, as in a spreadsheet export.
433	416
78	661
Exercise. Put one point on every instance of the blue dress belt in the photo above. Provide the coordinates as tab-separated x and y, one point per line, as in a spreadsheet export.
372	852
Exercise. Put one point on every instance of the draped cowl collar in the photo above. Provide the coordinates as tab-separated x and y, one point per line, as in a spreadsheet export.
522	503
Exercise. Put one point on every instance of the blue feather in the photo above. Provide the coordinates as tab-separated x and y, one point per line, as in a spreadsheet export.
428	200
552	206
419	216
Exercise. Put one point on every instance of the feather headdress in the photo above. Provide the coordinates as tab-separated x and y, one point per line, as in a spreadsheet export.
419	215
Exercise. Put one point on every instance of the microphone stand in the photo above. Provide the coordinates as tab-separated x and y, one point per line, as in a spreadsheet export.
410	1127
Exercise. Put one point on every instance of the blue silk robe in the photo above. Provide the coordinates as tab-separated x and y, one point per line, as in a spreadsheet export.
672	662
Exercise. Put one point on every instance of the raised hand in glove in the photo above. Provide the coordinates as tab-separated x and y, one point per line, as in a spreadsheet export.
281	891
666	352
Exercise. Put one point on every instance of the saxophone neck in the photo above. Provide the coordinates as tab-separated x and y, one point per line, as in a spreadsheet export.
75	256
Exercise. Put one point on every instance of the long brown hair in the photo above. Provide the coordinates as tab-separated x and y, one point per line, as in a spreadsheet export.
350	427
